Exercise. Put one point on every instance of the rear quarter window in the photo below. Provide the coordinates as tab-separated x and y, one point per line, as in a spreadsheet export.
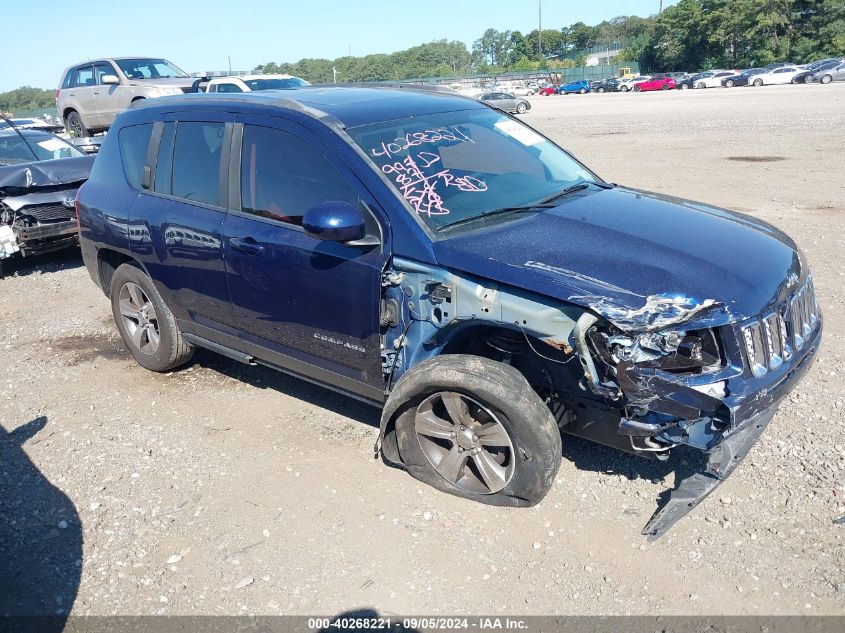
134	143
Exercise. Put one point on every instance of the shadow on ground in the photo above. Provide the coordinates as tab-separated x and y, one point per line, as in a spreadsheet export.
58	261
40	539
266	378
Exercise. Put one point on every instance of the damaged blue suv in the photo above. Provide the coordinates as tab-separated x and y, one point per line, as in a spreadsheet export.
439	258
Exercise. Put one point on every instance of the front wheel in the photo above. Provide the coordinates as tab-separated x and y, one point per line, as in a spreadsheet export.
684	86
145	323
625	89
637	89
826	79
521	108
475	428
758	82
729	84
700	85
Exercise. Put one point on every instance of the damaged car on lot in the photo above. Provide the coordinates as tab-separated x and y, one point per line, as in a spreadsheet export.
40	174
442	260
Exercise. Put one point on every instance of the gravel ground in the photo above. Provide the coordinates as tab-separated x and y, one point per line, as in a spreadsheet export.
226	489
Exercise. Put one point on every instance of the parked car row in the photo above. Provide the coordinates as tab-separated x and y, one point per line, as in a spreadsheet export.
822	71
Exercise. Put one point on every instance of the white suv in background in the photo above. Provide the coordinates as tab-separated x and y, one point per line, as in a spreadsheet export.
92	94
249	83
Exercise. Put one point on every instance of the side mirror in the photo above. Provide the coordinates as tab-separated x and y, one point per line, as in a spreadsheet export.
109	80
337	221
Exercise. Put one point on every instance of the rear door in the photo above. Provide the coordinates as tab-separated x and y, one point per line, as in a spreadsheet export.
81	95
311	305
182	214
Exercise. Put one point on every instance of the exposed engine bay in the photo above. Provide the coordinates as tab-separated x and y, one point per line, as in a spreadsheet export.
646	381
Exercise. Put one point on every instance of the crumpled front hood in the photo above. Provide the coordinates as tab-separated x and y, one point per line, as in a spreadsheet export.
641	260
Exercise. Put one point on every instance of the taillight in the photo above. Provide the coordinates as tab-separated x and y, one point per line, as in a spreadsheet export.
57	96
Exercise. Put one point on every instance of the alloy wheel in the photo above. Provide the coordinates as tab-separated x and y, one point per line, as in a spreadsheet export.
139	318
465	442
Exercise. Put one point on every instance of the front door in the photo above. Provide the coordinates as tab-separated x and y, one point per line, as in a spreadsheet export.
306	299
81	95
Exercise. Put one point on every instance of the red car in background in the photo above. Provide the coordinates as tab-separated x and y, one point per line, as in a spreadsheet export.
655	83
548	90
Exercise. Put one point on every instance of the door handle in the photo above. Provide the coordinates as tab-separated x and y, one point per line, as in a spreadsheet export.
246	245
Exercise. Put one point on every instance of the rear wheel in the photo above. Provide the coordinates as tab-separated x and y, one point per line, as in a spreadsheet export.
665	87
475	428
75	126
624	88
146	324
758	82
684	86
521	108
729	83
700	85
582	91
637	89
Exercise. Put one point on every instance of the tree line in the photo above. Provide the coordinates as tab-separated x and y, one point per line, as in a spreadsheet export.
689	35
27	98
696	34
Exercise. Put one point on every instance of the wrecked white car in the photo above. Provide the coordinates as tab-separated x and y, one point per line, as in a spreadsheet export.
40	174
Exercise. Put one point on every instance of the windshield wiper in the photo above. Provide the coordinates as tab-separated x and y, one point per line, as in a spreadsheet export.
503	210
546	203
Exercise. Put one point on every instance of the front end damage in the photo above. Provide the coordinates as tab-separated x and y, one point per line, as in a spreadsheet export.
674	372
37	210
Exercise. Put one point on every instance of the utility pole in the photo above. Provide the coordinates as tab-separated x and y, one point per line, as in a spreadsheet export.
540	30
660	10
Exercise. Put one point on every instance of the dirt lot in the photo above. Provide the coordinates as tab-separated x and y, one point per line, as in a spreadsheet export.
225	489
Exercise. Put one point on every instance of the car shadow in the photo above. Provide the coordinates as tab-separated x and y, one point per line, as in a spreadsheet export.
40	540
583	454
266	378
589	456
65	259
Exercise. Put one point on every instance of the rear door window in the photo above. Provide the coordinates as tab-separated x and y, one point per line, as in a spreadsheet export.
84	77
195	174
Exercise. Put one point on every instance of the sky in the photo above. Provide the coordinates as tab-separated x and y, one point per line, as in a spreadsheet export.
201	35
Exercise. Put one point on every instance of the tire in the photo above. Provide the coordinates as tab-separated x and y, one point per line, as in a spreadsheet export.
665	87
520	108
583	91
521	431
684	86
637	89
729	83
601	89
132	291
700	85
625	89
826	79
758	83
75	126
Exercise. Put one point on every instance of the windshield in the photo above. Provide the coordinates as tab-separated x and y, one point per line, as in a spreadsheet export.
45	146
453	166
276	84
147	68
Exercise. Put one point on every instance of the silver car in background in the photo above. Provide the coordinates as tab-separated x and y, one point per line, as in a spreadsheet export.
91	94
505	101
826	76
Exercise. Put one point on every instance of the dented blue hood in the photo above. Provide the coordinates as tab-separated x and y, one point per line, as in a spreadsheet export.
639	259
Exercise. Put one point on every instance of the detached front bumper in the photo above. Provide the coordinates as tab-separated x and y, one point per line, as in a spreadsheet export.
749	421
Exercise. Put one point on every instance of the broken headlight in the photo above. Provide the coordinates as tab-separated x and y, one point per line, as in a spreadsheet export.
677	351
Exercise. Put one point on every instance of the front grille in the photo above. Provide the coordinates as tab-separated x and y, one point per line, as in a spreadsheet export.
775	337
48	212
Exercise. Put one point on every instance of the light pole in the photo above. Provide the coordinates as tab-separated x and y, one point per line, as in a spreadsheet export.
540	30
